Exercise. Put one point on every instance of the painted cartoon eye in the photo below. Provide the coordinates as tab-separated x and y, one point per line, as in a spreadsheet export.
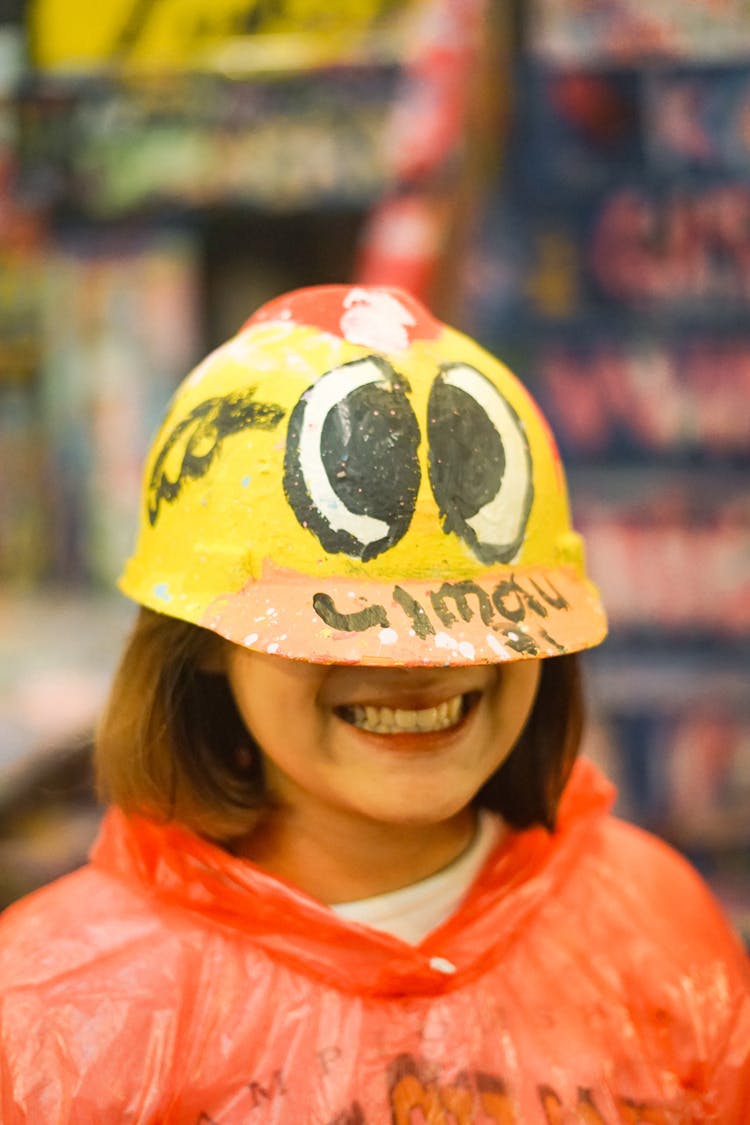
351	472
479	463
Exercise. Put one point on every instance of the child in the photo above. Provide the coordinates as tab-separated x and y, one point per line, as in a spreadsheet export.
353	872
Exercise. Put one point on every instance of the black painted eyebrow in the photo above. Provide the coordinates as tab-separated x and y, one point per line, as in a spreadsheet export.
213	421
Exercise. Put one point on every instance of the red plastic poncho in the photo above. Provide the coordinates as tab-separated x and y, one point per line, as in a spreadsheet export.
588	977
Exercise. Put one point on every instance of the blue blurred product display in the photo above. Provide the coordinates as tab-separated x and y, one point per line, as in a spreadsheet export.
671	547
612	267
671	728
613	32
579	131
674	397
635	255
698	119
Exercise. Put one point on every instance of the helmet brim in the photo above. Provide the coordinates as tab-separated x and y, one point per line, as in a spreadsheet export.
528	612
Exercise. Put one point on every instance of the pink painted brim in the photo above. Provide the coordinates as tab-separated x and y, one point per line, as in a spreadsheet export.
511	615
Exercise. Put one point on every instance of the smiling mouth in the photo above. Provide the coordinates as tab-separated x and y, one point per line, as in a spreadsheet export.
397	720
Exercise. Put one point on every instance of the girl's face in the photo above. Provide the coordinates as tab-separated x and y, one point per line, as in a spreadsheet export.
398	746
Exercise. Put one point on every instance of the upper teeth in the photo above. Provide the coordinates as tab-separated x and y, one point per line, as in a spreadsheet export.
388	720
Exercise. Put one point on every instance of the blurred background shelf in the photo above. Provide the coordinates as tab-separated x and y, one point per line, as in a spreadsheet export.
568	182
57	656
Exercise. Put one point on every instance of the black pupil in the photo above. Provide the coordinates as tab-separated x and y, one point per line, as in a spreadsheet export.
368	448
467	459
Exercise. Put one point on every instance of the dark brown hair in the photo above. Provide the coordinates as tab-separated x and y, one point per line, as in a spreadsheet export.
171	744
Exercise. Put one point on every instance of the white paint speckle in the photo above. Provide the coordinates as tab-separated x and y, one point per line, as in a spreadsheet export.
376	320
442	640
272	648
250	639
497	648
388	636
467	650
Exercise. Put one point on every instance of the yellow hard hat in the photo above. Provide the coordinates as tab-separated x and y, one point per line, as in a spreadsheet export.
348	480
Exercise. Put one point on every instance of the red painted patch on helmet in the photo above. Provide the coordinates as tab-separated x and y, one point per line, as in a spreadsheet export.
358	313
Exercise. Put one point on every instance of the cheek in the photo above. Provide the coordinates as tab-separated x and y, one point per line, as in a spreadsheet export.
274	697
514	698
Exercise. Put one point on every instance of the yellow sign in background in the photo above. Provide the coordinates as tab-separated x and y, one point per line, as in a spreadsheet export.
215	34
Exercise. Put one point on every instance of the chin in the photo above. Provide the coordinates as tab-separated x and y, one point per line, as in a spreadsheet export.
413	813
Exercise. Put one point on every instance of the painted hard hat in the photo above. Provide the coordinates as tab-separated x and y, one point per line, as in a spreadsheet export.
348	480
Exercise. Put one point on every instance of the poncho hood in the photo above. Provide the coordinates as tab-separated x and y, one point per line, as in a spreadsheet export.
183	871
